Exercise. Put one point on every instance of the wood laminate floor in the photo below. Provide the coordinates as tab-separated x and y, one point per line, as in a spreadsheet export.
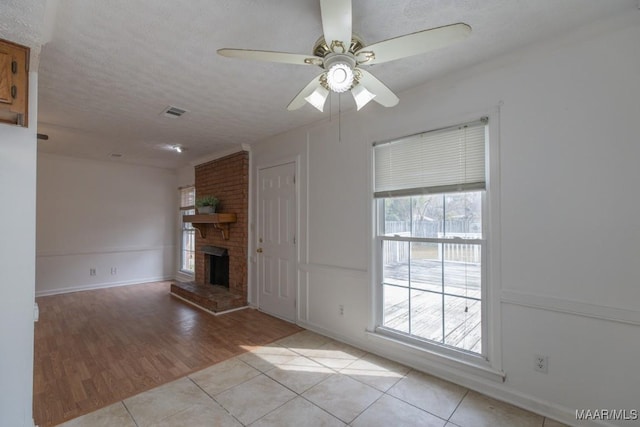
94	348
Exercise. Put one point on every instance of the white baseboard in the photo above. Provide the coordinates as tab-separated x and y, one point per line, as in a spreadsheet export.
482	385
70	289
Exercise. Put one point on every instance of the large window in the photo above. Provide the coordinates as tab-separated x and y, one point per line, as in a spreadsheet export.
430	195
188	236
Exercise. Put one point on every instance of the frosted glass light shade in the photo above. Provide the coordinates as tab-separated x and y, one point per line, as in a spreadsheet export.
361	95
318	98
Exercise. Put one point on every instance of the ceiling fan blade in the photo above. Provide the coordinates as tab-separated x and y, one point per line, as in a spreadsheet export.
264	55
383	94
336	22
300	100
413	44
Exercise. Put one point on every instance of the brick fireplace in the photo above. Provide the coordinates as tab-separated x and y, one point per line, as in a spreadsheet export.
227	179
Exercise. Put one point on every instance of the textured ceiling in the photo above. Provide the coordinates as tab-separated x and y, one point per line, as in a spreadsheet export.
111	67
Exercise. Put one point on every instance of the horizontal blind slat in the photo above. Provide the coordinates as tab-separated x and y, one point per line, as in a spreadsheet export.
187	197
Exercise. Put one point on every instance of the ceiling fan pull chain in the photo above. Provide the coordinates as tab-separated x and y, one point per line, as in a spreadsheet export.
339	117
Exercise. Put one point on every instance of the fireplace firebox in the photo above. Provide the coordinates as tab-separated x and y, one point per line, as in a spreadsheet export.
216	265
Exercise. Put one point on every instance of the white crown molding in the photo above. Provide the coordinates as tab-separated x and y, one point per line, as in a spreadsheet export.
220	154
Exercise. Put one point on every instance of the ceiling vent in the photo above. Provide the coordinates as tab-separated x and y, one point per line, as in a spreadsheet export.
173	112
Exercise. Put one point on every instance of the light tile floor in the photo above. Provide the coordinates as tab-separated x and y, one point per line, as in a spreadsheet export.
308	379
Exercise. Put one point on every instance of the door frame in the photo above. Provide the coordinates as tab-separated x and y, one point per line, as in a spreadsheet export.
254	231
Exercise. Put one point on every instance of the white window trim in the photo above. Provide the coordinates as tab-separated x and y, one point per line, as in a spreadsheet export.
181	209
182	249
489	365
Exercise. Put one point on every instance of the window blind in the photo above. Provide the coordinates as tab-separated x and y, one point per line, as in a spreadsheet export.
187	198
439	161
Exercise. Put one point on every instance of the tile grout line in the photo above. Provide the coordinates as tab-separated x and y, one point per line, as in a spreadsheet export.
274	409
266	376
227	389
129	412
300	394
214	399
312	403
338	372
379	397
415	406
333	372
322	409
456	408
365	409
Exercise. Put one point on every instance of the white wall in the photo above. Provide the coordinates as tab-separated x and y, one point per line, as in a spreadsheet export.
569	151
17	265
103	215
186	176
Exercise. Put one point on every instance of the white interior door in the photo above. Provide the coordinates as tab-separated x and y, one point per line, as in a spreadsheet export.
276	246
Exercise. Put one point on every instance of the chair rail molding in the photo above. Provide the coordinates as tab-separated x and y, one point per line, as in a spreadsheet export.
576	308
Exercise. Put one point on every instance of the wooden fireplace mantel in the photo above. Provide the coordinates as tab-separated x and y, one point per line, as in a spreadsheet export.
219	221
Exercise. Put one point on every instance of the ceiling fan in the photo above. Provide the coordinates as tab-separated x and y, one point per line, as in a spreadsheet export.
342	55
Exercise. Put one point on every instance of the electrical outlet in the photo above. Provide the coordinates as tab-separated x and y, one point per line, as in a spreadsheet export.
92	272
541	363
114	271
341	309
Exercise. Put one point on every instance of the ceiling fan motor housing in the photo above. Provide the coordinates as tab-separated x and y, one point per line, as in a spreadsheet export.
335	58
322	49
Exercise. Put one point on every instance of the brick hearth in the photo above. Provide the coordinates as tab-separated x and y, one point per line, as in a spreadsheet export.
212	297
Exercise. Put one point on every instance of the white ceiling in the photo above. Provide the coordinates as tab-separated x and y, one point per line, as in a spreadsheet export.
111	67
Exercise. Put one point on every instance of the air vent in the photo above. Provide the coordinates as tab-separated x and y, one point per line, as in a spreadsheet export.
115	155
173	112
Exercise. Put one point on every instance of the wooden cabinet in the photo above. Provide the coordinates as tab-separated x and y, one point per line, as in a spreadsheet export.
14	83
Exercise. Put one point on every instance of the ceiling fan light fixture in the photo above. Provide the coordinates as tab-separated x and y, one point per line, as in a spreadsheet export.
340	77
361	95
318	98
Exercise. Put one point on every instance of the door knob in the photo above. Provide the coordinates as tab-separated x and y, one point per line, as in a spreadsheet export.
259	250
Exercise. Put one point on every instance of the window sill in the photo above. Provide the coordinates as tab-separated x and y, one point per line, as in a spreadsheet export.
440	361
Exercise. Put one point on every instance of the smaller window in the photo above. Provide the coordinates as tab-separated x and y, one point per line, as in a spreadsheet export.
188	235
